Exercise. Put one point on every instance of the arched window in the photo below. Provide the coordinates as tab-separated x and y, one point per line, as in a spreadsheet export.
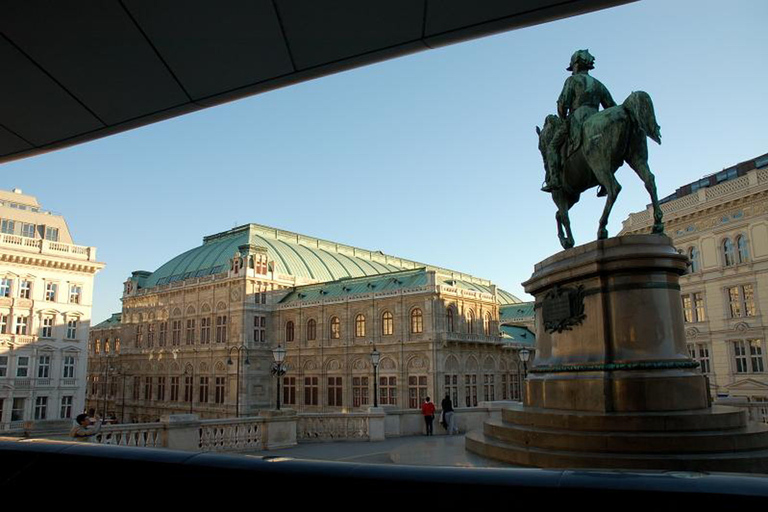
742	248
693	255
728	255
311	330
471	322
417	321
289	331
387	324
487	324
335	328
449	318
360	326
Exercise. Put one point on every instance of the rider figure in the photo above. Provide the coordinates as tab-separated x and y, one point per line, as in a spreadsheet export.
581	98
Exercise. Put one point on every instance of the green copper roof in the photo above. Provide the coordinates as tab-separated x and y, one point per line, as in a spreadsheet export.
298	255
518	334
112	321
353	286
519	310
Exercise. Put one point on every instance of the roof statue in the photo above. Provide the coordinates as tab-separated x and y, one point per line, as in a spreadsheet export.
584	146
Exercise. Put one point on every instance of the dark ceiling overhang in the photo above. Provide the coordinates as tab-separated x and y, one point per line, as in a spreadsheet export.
74	71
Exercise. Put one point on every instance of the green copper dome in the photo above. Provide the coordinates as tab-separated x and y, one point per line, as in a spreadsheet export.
310	259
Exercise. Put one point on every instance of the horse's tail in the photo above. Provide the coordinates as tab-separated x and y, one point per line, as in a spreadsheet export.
640	109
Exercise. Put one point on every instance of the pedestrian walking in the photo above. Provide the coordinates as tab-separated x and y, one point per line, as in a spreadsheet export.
449	415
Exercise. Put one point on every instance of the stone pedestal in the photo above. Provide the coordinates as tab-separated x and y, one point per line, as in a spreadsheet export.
612	385
610	332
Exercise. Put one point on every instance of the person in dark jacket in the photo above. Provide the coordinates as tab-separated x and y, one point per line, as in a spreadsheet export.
449	416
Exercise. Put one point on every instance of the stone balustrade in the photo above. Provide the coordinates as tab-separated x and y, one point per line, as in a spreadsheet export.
145	435
40	246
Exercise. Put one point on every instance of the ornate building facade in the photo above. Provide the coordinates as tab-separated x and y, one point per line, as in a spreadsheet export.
46	285
721	223
197	334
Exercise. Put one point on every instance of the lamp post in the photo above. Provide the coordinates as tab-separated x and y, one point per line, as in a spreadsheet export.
190	370
278	369
375	358
229	362
524	355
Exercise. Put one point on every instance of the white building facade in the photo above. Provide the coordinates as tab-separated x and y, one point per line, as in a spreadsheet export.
46	290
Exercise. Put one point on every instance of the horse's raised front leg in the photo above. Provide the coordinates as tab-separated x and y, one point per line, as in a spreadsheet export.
640	166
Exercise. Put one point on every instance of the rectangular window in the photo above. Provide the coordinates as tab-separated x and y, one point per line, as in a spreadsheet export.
335	391
687	308
740	355
289	390
43	367
188	388
203	390
221	329
27	230
220	387
7	226
3	366
176	333
699	352
417	391
190	337
4	319
310	390
25	290
50	291
162	334
205	330
71	329
17	412
174	389
388	390
504	386
161	388
69	367
698	307
452	388
52	234
22	366
5	287
756	356
136	388
147	388
151	335
489	393
741	301
359	391
139	335
66	407
75	291
47	329
259	329
21	325
470	390
41	407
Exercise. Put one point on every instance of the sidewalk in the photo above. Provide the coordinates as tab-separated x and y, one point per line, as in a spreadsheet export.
411	451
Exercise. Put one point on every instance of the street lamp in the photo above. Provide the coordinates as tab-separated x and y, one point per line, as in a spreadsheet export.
229	362
524	355
375	358
190	370
278	370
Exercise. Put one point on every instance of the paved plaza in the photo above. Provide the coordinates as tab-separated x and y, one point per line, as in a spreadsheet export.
412	451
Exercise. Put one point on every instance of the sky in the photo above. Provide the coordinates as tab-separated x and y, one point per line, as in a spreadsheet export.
431	157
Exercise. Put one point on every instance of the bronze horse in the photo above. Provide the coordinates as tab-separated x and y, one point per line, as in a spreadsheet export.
609	138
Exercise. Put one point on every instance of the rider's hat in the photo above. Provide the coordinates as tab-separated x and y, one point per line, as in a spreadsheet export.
583	56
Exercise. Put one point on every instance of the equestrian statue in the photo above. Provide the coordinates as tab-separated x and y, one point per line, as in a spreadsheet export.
584	146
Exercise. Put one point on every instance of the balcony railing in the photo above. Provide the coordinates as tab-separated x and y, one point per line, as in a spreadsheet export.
40	246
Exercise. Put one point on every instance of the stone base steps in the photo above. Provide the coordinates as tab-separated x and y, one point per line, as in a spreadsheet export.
723	441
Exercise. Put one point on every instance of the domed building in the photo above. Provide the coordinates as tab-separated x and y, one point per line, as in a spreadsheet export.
197	334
